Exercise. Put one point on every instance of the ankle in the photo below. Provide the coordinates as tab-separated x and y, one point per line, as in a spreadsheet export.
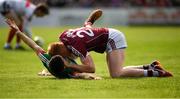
18	45
7	44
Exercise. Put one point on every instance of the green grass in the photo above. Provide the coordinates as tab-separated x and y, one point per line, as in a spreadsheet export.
18	69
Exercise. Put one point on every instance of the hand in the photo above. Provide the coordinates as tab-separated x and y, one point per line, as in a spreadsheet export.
44	73
88	76
12	24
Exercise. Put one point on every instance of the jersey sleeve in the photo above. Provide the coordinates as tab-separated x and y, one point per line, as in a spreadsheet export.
44	57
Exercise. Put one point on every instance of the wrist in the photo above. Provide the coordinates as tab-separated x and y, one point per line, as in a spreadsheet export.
18	31
87	24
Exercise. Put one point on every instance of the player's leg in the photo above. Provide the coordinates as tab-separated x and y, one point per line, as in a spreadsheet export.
154	65
115	58
10	15
9	39
18	39
115	61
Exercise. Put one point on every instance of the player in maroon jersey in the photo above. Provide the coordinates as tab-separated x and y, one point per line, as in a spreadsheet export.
79	42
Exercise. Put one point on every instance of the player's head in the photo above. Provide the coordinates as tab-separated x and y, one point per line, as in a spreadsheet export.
56	66
41	10
58	48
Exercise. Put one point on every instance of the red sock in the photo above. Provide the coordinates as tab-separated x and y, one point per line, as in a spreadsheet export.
150	73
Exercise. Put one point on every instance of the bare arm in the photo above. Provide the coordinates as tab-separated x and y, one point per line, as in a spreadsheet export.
26	39
89	76
96	14
87	65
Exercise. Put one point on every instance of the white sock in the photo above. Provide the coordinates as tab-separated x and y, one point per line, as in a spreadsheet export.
145	73
6	44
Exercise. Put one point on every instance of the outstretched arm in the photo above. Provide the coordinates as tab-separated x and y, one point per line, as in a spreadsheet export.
96	14
26	39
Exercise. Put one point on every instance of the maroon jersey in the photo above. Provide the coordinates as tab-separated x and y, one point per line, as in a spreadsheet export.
82	40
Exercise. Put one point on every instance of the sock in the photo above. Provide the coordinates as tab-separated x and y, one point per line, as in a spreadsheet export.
149	66
7	44
17	45
151	73
146	67
145	73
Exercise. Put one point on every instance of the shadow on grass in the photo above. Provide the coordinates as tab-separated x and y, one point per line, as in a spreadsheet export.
110	78
17	50
103	78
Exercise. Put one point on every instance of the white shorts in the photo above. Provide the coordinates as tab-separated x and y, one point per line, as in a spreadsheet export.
26	28
116	40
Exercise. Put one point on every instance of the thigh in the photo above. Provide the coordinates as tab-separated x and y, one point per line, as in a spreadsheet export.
115	60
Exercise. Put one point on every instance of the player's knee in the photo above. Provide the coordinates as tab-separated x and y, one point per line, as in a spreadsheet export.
116	74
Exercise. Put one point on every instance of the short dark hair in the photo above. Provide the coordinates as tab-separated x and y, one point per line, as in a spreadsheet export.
56	66
43	8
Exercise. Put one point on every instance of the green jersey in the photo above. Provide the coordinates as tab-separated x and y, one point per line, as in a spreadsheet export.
45	58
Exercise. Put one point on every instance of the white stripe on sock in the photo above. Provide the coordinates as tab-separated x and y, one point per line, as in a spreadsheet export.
145	73
155	73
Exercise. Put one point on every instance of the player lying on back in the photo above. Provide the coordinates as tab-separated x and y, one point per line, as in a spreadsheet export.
55	66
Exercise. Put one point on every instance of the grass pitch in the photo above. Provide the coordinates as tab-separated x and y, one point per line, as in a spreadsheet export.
18	69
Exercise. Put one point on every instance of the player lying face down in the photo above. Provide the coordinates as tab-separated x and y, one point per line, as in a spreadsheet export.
54	64
80	41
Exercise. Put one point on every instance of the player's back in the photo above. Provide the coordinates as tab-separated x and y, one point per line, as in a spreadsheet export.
21	7
89	39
